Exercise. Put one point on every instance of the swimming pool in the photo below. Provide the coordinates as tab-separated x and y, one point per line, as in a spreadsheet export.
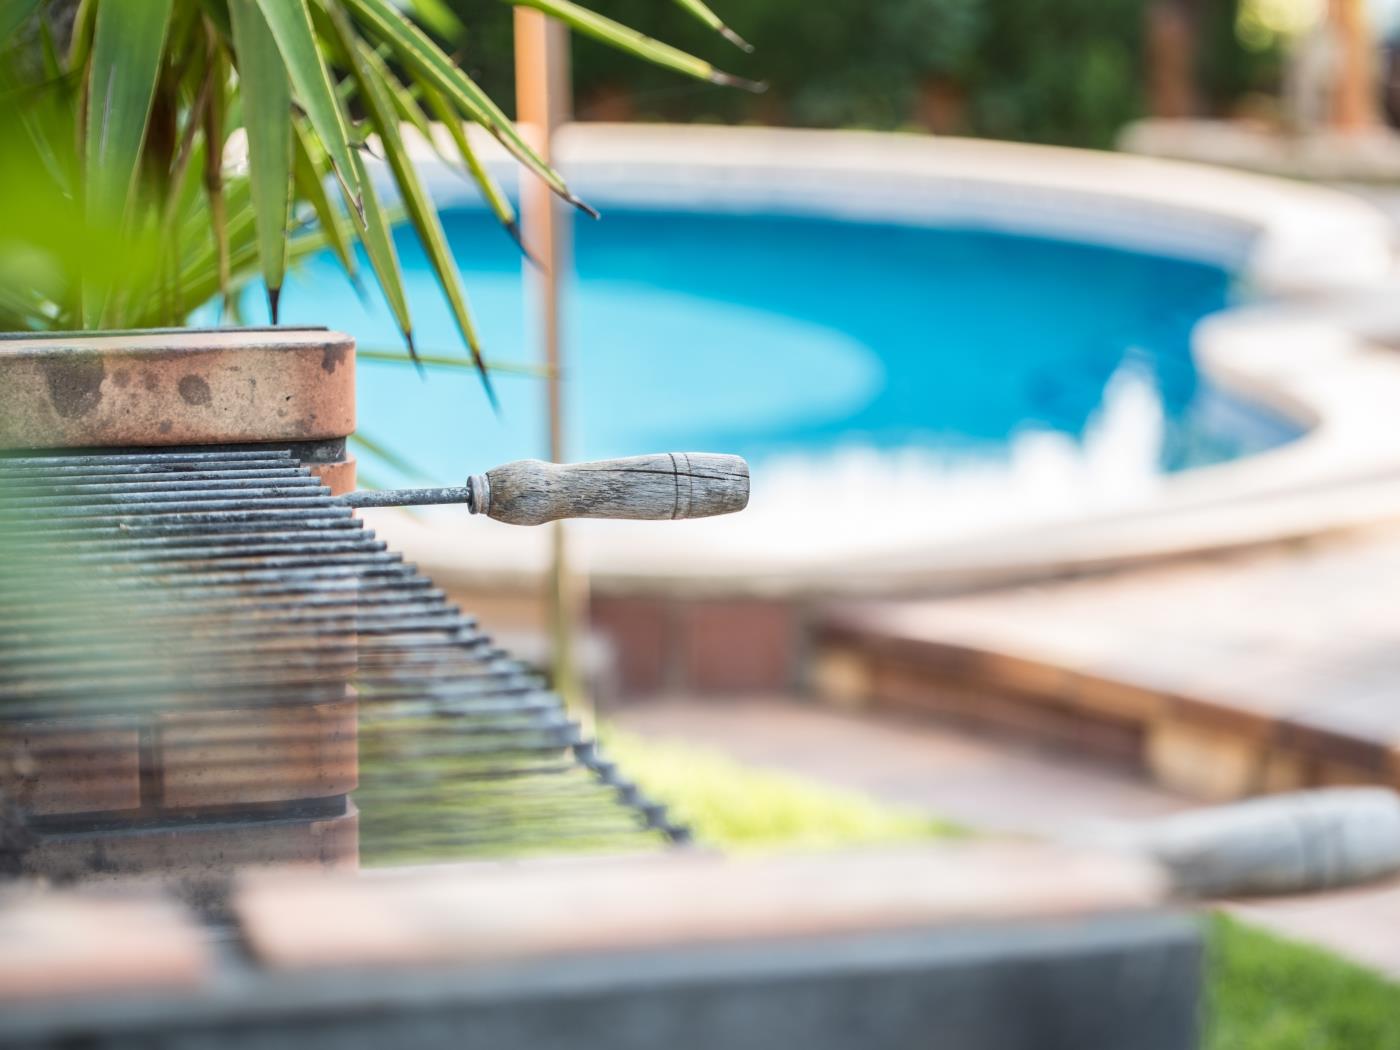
793	339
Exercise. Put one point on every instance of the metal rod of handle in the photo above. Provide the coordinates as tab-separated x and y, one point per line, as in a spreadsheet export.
663	486
408	497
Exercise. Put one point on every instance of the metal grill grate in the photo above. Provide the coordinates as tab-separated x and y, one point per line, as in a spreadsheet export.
205	658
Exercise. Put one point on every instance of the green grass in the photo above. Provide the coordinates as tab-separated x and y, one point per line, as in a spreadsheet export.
731	806
1264	992
1267	993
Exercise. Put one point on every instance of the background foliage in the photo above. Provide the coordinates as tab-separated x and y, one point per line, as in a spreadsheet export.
156	153
1059	71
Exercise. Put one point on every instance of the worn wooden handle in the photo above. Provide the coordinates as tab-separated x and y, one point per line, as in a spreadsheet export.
1296	843
668	485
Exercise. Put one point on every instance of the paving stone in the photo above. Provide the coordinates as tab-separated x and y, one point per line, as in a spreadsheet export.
492	913
959	775
1297	650
993	785
737	646
66	945
642	635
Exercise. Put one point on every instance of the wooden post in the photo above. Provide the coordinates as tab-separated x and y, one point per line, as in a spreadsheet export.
543	103
1354	102
1171	59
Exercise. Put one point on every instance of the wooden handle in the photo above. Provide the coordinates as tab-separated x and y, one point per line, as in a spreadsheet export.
668	485
1296	843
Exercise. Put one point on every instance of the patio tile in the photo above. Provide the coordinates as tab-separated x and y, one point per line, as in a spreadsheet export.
493	913
61	945
964	776
995	786
1295	650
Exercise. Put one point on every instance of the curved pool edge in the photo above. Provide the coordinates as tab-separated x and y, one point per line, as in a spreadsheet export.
1318	258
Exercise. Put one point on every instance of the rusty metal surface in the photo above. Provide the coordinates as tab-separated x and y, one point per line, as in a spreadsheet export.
180	387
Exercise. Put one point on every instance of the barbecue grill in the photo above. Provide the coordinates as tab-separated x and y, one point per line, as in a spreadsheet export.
208	663
207	660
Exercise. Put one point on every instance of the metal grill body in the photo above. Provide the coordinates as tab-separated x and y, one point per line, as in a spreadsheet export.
207	661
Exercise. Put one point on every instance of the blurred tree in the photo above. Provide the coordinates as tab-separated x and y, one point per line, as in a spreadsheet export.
837	63
1063	71
1230	64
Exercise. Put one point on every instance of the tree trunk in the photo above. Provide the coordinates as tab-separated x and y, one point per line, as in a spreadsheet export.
1171	59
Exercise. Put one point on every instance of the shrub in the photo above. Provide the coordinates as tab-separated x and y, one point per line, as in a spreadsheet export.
1058	71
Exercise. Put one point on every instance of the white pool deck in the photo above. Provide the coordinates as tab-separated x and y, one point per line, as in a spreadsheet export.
1315	344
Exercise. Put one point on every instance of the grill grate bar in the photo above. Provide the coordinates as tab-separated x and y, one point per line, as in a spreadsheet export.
217	601
158	483
151	459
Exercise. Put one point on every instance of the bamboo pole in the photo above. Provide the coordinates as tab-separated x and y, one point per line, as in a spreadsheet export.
543	104
1355	104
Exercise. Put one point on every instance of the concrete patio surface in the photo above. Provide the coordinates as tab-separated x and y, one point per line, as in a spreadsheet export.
993	786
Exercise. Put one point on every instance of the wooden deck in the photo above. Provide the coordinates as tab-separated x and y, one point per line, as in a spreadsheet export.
1221	677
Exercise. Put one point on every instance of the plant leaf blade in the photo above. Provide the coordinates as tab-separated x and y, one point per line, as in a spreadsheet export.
428	62
625	38
383	258
309	178
128	40
267	115
703	12
13	14
376	96
290	22
490	190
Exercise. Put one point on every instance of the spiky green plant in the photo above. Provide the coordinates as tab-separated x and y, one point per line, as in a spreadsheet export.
124	201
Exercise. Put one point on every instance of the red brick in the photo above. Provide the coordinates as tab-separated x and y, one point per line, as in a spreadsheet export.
51	768
276	754
339	477
493	912
640	630
197	852
60	945
185	387
737	645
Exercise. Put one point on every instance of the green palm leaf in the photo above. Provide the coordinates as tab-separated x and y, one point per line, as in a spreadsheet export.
408	109
624	38
438	16
128	40
213	121
383	258
490	190
290	21
128	130
13	14
427	61
703	12
309	179
375	94
267	114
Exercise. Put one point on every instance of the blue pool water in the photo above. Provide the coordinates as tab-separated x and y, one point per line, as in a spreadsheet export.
769	336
